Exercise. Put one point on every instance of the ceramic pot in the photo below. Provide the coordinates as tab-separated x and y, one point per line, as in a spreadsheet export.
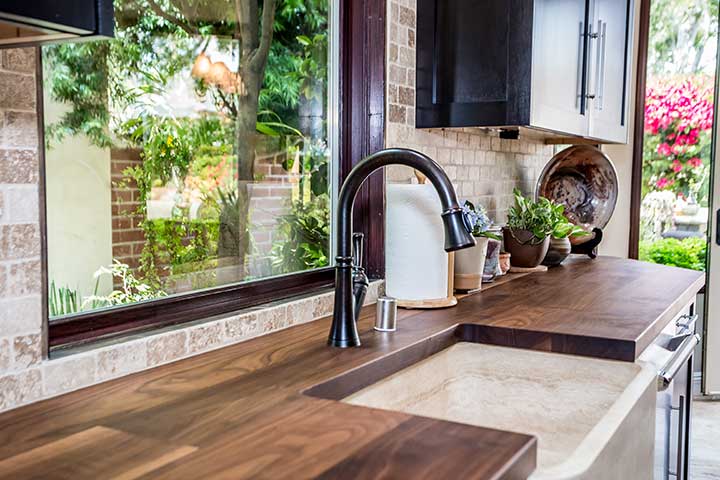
504	263
492	261
558	252
469	265
525	249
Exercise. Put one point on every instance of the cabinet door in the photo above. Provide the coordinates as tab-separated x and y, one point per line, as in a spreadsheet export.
559	66
609	55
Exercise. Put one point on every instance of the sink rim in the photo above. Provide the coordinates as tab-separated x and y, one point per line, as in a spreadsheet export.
582	457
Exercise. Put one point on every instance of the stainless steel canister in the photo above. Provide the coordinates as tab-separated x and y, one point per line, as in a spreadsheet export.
386	314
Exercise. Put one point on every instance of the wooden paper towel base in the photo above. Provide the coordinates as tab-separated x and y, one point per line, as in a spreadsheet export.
438	303
539	268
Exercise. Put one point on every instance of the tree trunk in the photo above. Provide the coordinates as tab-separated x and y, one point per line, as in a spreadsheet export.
246	143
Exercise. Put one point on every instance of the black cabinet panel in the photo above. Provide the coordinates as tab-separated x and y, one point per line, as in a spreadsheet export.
465	61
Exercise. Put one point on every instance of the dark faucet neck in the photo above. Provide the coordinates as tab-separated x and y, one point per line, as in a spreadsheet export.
392	156
344	329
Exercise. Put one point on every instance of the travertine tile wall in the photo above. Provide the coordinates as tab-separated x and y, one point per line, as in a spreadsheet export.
483	167
20	301
25	376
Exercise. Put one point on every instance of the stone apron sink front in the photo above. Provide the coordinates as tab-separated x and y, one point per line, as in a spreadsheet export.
594	418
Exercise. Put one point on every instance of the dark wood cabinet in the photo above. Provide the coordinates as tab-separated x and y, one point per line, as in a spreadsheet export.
556	65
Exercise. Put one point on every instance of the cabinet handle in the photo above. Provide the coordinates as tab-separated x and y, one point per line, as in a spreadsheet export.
600	63
667	373
591	36
579	90
717	227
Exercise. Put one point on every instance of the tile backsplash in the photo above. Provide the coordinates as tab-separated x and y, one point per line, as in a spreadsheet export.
483	167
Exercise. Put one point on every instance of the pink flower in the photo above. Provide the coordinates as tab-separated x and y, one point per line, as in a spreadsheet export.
695	162
662	183
664	150
677	166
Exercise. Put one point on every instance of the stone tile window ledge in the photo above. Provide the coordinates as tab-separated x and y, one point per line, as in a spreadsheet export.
84	366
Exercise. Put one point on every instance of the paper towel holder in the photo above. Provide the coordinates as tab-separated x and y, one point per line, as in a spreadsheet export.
343	332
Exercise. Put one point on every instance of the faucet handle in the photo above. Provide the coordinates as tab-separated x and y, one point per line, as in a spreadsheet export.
358	240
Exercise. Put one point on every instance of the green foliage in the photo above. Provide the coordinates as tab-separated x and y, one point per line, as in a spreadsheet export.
562	228
131	289
305	242
179	241
78	77
688	253
680	32
167	148
62	300
298	56
98	77
537	217
65	300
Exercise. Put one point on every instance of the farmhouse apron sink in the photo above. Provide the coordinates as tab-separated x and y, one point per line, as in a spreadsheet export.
594	419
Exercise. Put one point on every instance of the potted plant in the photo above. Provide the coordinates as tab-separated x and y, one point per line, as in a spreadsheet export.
560	237
527	234
470	262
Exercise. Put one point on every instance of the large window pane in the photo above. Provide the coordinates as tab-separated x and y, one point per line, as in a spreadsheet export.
188	152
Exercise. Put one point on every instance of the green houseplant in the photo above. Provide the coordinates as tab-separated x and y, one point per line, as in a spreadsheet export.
470	262
563	229
527	234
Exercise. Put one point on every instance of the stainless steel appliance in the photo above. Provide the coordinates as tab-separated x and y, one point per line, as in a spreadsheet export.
24	22
674	398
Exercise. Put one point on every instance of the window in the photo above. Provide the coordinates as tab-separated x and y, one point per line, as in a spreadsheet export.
190	163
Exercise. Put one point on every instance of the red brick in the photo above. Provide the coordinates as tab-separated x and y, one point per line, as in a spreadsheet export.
126	154
119	251
122	196
124	236
121	223
118	167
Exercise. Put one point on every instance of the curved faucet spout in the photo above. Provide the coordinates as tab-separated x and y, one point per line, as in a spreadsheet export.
344	330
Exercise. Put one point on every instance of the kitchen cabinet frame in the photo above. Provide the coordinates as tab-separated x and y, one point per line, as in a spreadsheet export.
539	64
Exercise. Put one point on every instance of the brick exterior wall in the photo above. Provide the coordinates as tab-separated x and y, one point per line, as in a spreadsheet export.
128	238
483	167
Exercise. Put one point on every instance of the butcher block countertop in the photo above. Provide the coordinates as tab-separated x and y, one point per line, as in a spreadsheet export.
240	411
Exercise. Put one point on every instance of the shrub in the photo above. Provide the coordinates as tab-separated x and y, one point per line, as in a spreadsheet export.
305	236
678	127
688	253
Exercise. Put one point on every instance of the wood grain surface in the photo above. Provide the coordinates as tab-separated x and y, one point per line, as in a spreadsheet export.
239	412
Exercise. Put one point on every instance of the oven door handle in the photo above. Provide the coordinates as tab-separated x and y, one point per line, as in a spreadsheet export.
668	372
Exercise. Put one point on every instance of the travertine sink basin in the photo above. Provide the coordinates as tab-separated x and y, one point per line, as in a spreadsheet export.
594	418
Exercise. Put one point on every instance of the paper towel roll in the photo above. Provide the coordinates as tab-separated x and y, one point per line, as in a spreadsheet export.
416	266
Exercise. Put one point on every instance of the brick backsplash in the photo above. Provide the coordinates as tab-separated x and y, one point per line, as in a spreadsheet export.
482	167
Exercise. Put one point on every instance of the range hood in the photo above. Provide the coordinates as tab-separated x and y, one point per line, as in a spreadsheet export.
33	22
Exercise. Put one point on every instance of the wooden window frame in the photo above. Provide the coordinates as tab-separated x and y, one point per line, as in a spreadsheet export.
362	131
639	129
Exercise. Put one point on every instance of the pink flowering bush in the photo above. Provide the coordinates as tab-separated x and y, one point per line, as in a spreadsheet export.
678	127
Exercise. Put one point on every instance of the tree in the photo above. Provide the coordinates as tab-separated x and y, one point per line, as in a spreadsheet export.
680	31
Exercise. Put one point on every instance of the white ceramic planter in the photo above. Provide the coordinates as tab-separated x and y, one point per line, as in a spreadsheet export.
469	265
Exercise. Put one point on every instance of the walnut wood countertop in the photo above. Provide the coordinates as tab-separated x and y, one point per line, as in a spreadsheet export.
238	412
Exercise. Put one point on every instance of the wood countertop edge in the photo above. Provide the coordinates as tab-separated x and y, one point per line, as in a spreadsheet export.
228	397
